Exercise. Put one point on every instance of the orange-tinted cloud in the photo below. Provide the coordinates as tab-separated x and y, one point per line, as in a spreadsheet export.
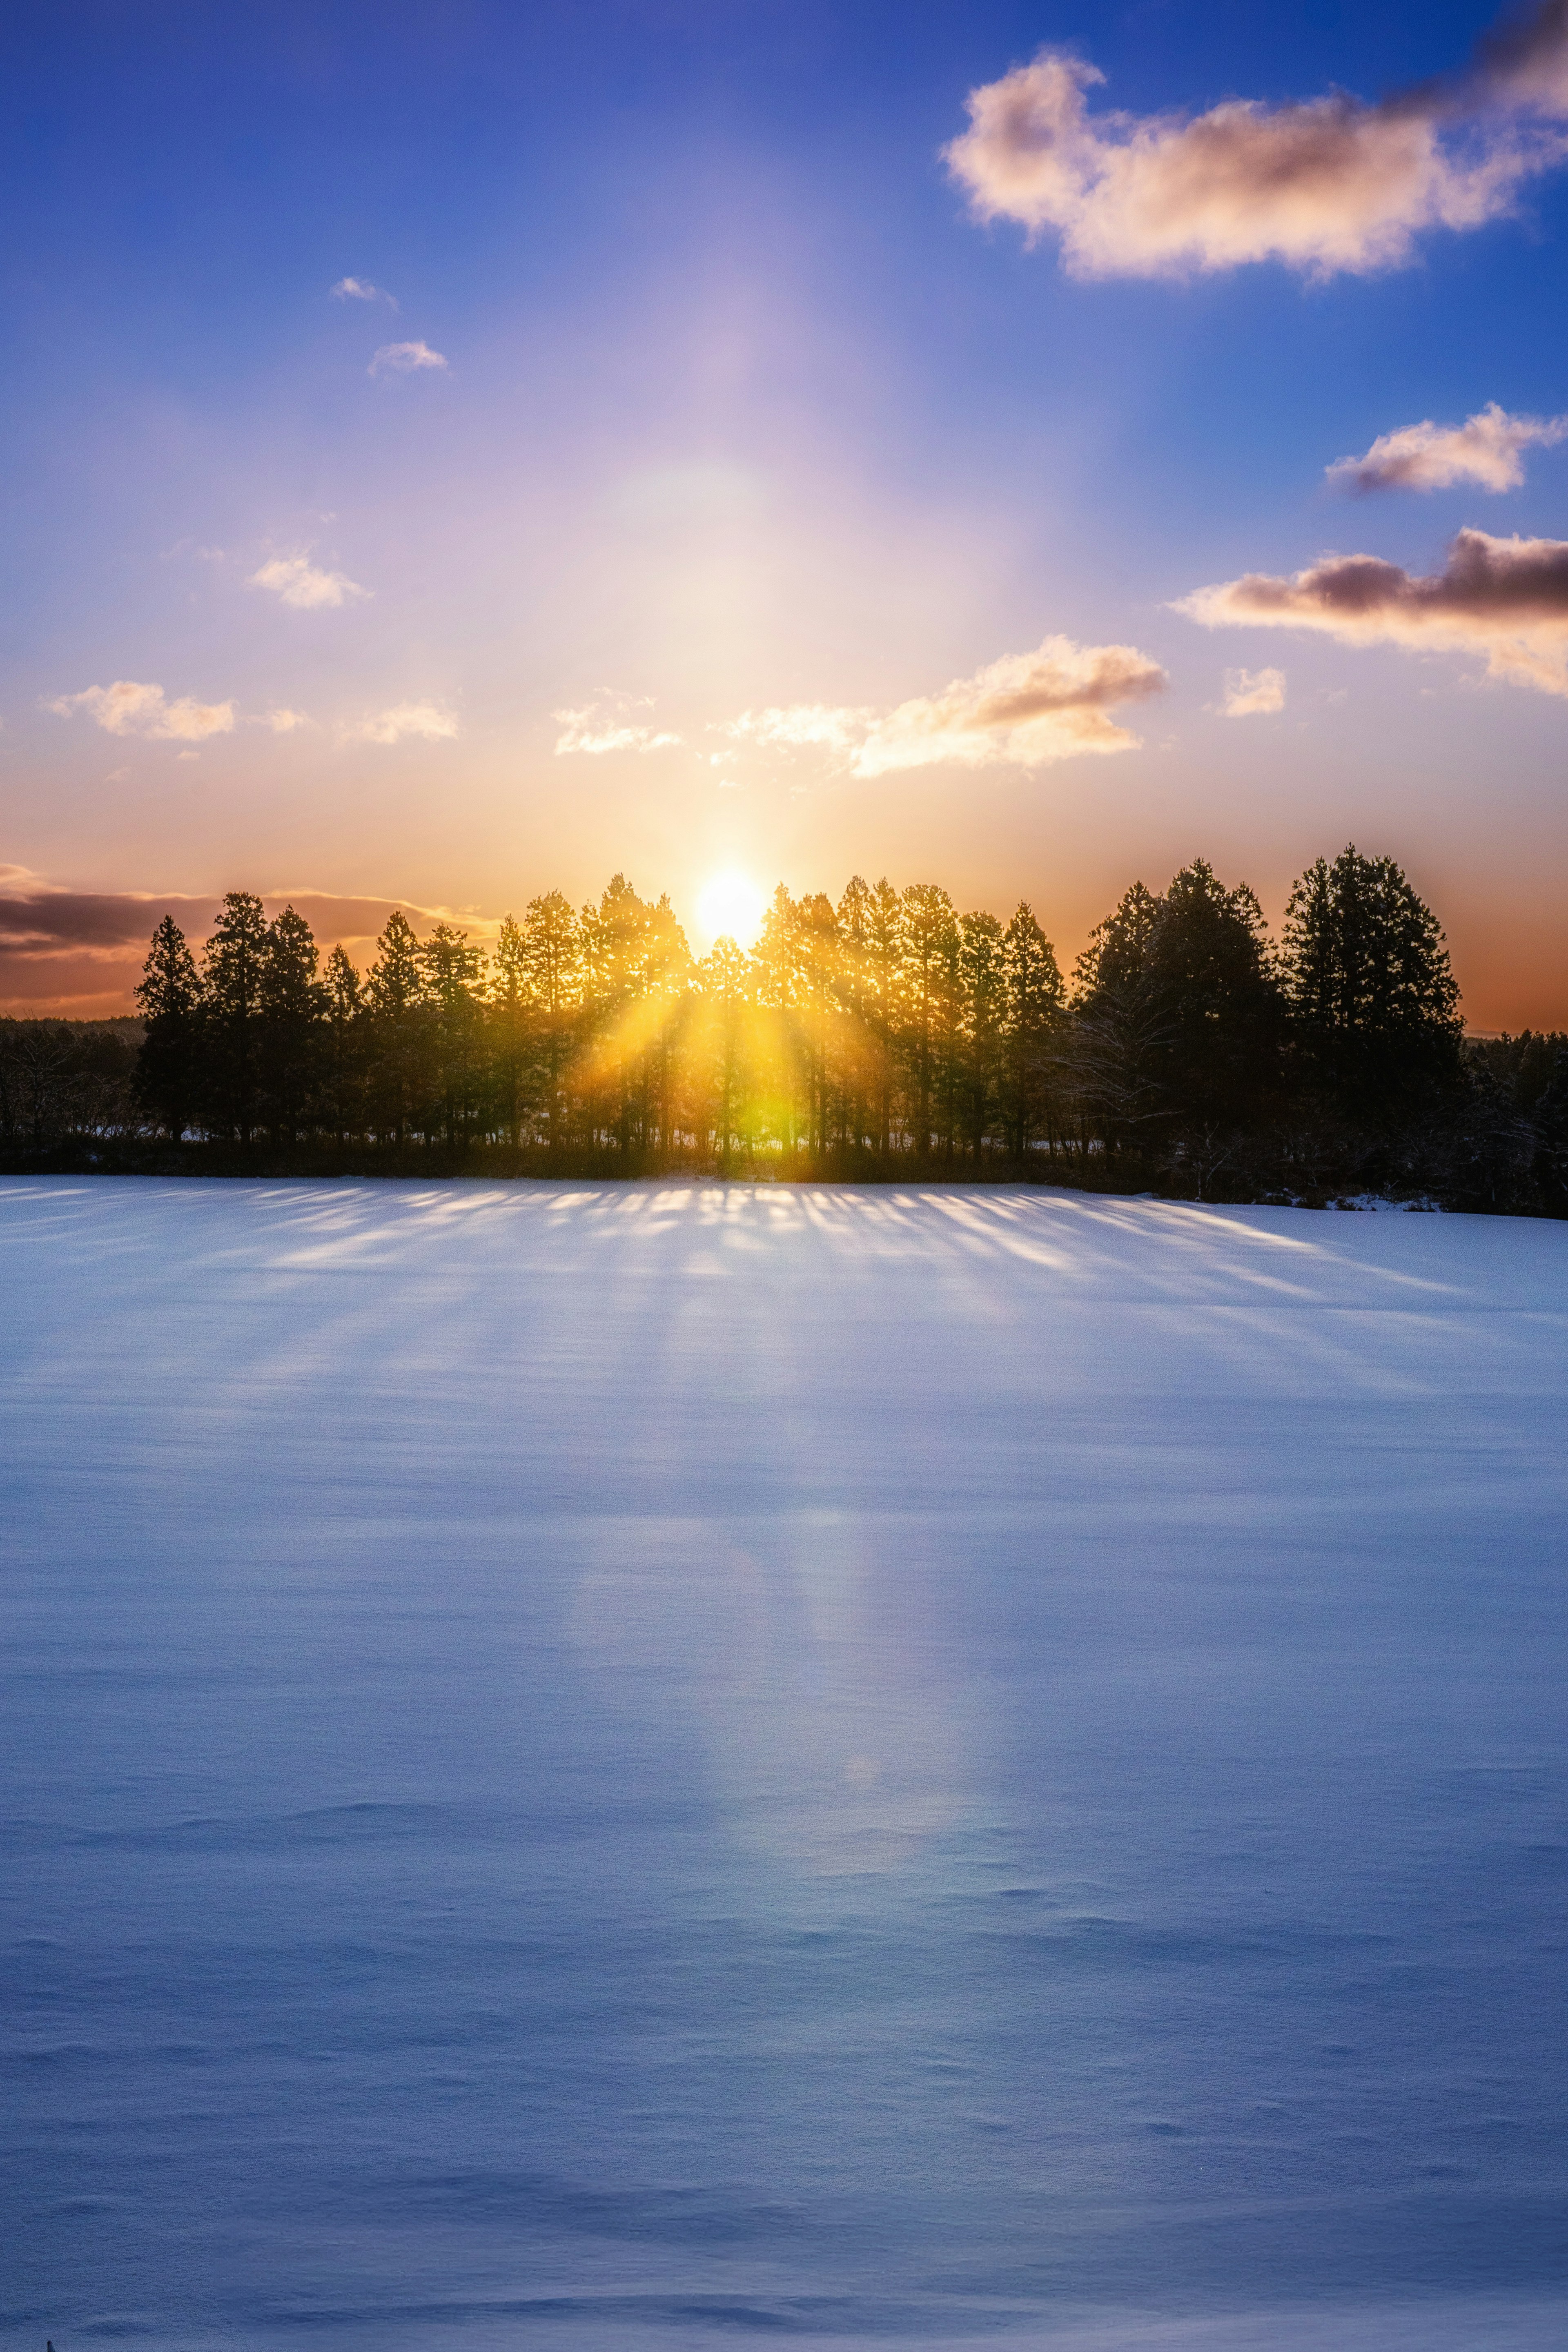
1253	693
127	708
1323	185
429	722
1504	598
1028	708
77	954
1025	710
1485	449
609	723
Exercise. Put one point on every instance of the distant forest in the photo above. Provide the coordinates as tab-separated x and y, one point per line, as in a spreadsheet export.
885	1037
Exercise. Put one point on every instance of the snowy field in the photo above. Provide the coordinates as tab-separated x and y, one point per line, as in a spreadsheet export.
600	1768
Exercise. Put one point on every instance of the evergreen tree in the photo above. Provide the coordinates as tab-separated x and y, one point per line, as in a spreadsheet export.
816	1018
168	1078
1551	1125
858	1002
234	964
1210	961
1032	1028
613	943
982	994
1121	1030
508	1027
887	997
666	981
724	981
929	937
778	979
1180	1019
1373	999
452	969
345	1054
394	997
292	1005
884	1025
552	952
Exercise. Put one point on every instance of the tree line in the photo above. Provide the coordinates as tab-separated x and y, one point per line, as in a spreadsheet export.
886	1034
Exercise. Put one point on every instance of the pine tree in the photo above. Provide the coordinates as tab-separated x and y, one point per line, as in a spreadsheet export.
929	938
1373	999
666	981
856	998
614	941
1211	965
1032	1029
508	1027
395	995
553	972
1121	1029
886	996
778	981
170	994
982	994
726	989
292	1005
818	971
234	963
453	969
344	1072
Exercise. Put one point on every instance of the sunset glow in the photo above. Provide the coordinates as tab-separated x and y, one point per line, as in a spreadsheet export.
1030	452
729	906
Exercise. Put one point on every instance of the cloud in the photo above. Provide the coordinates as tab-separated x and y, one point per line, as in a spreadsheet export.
283	722
1426	457
1323	185
802	724
79	953
1026	709
425	720
127	709
1253	693
606	724
360	289
1504	598
403	358
295	580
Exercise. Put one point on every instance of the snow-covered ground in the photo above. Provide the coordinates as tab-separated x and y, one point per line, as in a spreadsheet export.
624	1767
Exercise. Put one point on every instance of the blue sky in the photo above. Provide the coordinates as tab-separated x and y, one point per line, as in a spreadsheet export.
742	410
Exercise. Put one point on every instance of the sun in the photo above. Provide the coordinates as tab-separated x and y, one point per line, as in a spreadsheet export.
730	905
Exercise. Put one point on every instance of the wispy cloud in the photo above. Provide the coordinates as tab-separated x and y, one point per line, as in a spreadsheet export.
1253	693
426	722
798	725
1027	709
1485	449
406	359
1504	598
294	580
1323	185
284	721
360	289
608	723
127	708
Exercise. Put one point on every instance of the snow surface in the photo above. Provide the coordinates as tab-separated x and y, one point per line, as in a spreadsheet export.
597	1767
